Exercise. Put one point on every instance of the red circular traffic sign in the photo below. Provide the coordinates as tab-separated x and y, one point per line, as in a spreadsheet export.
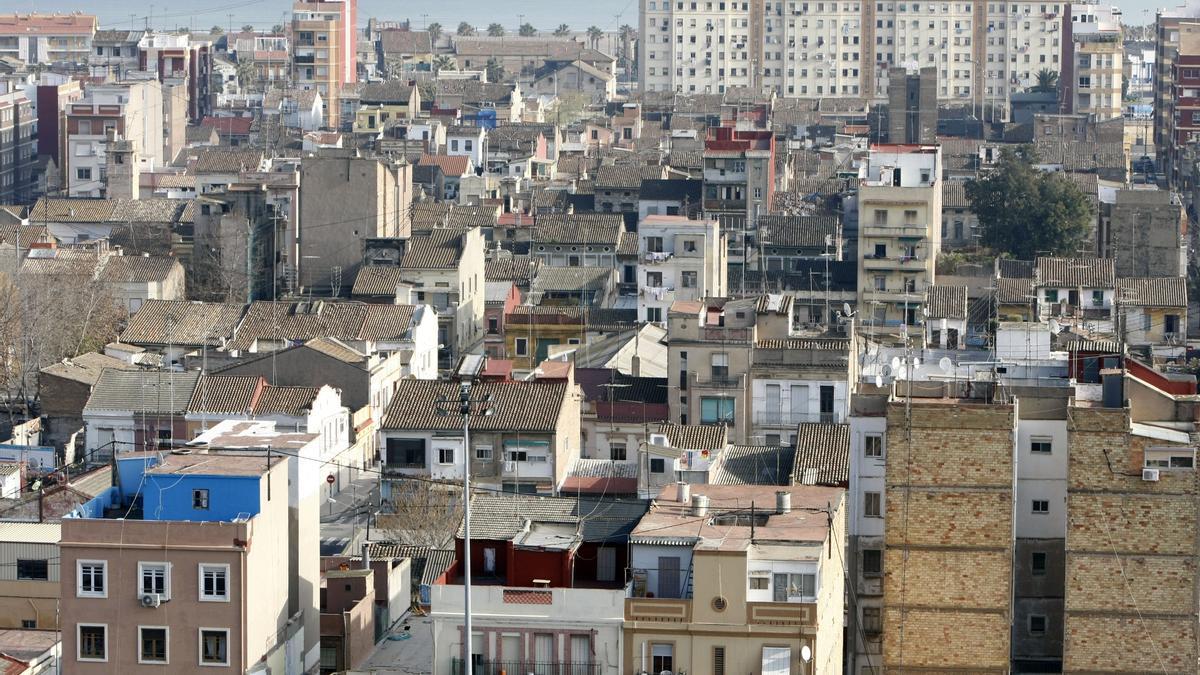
330	479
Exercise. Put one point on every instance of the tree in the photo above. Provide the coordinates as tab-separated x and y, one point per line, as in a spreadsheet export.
495	71
628	35
421	513
216	30
435	33
594	34
527	30
245	73
278	29
247	28
495	30
1026	212
1047	81
563	30
443	62
465	29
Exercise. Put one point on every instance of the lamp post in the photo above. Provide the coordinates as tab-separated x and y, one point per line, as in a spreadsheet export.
466	407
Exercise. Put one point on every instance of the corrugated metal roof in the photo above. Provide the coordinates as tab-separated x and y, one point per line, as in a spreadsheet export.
30	533
822	454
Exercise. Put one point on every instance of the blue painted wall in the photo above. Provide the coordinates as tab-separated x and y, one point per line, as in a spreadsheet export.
169	497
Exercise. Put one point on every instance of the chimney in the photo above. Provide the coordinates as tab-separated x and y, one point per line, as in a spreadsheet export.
1112	387
699	506
783	502
683	492
366	556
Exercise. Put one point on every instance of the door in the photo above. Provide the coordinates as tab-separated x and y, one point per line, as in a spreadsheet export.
606	564
489	560
581	655
668	577
543	653
779	587
776	661
510	649
772	405
798	403
827	404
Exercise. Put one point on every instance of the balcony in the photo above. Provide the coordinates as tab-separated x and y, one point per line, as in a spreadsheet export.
656	257
667	610
908	231
781	418
911	294
488	667
720	334
894	262
782	613
717	381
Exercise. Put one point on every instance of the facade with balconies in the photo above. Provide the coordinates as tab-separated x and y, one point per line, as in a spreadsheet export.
900	210
737	579
796	381
678	259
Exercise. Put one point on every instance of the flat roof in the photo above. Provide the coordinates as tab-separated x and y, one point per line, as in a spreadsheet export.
216	464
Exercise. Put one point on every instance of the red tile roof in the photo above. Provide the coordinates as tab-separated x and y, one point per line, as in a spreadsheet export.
47	24
451	165
229	125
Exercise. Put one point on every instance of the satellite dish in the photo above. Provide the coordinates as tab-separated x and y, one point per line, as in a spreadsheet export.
806	653
878	380
895	363
916	363
846	309
887	370
945	364
1054	326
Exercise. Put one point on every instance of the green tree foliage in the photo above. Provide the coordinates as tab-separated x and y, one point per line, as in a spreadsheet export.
465	29
527	30
563	30
495	30
1047	81
1026	212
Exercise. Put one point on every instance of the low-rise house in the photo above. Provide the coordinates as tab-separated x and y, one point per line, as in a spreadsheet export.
946	317
380	102
402	51
501	298
136	410
738	576
29	575
453	168
348	627
960	225
669	197
176	328
617	186
575	77
64	389
1079	291
798	380
679	259
574	287
578	239
548	586
1153	311
526	444
618	410
532	332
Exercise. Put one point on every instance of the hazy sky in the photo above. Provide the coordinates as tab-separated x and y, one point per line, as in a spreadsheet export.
544	14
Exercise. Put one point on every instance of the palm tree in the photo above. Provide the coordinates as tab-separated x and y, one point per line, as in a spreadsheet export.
277	29
435	33
216	30
628	35
1047	81
443	62
245	73
495	71
594	34
465	29
495	30
247	28
527	30
563	30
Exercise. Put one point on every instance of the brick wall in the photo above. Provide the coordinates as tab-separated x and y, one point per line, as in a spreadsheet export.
948	533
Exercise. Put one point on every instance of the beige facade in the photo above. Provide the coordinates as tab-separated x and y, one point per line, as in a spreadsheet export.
900	212
29	575
948	553
323	51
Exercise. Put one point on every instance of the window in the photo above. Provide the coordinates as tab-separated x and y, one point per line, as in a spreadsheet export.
872	562
214	583
662	658
716	410
658	465
654	279
28	623
1037	563
873	445
1040	445
910	217
522	346
1171	458
654	314
802	586
616	452
1041	506
155	578
83	174
153	644
92	642
483	453
718	661
720	367
689	245
445	455
214	647
881	217
200	499
654	244
760	581
1037	624
688	279
34	570
406	452
871	505
1051	295
90	579
493	325
1097	298
872	620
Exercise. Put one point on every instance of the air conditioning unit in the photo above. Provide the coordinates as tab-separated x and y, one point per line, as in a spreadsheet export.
151	600
1150	475
658	439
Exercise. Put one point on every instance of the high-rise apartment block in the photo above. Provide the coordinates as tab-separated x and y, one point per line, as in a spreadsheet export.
1091	76
323	50
18	148
982	51
132	112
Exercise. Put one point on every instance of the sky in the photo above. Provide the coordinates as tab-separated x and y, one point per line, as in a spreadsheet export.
543	14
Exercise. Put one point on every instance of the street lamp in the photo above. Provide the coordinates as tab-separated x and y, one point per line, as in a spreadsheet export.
466	406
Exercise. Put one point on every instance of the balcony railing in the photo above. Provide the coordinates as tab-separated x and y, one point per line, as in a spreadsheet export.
790	419
488	667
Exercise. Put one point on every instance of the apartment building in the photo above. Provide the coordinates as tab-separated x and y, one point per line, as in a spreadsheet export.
181	564
868	424
324	51
1092	75
177	60
1144	233
18	148
1176	34
737	579
680	259
900	211
983	52
131	111
948	527
47	38
796	381
739	178
29	575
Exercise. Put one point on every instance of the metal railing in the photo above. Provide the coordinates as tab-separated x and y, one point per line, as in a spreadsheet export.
488	667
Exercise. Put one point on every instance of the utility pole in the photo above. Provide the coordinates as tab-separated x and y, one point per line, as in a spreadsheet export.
466	406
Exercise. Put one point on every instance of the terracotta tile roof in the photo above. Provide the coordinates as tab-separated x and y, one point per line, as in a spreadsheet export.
69	210
597	319
954	194
387	322
305	320
24	235
388	92
754	465
516	269
695	436
564	48
451	165
1016	269
181	322
429	214
138	269
572	278
238	126
1078	272
822	454
466	218
516	406
427	563
393	41
946	302
628	244
337	349
85	368
798	231
286	401
626	176
579	228
1014	291
823	344
225	160
1153	291
47	24
438	250
377	280
225	394
142	391
503	517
